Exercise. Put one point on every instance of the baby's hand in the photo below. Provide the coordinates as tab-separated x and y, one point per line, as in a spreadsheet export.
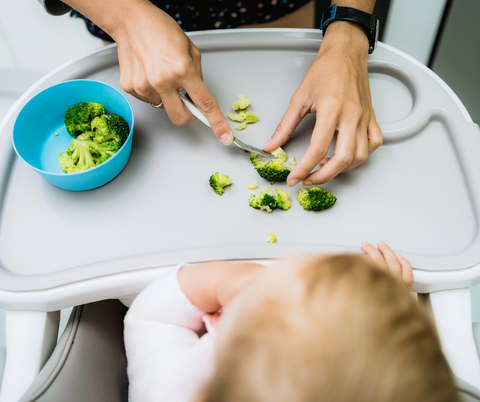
385	258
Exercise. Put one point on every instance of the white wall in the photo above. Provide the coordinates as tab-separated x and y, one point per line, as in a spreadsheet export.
33	42
412	26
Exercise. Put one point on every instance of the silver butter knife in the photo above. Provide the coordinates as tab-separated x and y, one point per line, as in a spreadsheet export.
194	110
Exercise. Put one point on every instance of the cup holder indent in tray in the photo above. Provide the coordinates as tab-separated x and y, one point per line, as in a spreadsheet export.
392	100
394	92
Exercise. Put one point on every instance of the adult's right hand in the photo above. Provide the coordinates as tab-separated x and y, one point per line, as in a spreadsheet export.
157	60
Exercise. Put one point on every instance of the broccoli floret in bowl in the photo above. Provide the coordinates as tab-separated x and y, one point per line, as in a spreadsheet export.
78	118
315	199
44	114
110	127
84	154
104	137
273	170
218	181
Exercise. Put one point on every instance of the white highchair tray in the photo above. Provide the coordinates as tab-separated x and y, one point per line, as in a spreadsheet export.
419	192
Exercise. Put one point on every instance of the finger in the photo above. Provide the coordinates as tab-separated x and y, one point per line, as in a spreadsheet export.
290	120
323	161
391	259
321	139
407	271
343	157
361	150
158	106
126	64
197	59
207	104
142	86
175	108
374	254
375	138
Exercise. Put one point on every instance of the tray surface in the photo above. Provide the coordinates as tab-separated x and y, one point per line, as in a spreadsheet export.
418	192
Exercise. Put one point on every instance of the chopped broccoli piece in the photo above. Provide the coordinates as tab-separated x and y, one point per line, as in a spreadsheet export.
218	181
83	155
279	154
273	170
251	117
78	117
241	126
315	199
110	127
283	201
55	134
236	117
291	161
253	186
243	116
271	238
263	200
242	103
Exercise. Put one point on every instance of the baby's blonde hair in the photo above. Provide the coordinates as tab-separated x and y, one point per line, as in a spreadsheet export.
355	335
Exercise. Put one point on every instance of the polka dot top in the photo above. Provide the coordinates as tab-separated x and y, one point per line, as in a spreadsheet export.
199	15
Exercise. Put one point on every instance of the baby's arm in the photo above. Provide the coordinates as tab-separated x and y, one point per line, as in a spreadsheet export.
166	358
213	285
385	258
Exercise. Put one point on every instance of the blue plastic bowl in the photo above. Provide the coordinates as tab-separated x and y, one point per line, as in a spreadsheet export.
35	142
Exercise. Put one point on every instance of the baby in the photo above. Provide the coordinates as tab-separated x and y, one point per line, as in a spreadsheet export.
308	328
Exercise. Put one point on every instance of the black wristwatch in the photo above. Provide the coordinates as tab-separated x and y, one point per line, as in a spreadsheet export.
368	22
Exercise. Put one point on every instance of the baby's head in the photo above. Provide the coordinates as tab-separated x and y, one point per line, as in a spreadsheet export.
327	328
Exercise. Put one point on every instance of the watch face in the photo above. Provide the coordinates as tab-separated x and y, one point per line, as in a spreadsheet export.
373	36
328	16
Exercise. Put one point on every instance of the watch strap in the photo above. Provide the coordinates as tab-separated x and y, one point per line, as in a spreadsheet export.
367	21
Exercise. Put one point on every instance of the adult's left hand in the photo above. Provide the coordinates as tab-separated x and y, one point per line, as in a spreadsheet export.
336	88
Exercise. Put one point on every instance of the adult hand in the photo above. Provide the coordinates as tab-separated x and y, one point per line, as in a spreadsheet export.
385	258
336	88
157	60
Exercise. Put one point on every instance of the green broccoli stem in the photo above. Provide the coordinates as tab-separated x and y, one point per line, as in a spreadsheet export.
81	153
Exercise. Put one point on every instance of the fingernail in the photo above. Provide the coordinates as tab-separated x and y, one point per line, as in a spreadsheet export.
226	139
267	144
293	182
365	243
401	256
382	243
307	183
